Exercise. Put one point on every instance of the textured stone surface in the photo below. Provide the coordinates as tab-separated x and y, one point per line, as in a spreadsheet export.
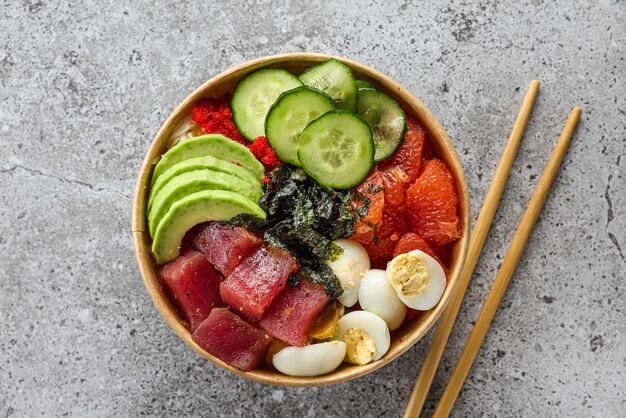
83	89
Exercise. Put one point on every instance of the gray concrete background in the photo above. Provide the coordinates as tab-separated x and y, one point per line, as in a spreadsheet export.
84	87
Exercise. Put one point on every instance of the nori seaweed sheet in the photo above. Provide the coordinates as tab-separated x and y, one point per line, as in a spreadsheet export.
304	217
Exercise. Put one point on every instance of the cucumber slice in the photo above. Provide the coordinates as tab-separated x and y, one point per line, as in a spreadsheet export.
288	117
387	120
255	94
337	149
335	79
362	84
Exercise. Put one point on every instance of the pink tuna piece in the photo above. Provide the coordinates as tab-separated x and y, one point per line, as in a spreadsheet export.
225	246
256	282
193	286
294	310
232	339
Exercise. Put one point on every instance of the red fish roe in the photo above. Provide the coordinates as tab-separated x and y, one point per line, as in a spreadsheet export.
262	151
216	117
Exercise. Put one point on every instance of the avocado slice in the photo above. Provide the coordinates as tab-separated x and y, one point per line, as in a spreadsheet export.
196	181
199	163
208	205
214	144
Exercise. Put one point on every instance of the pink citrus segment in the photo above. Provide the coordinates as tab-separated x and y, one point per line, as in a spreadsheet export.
408	158
372	187
432	205
387	235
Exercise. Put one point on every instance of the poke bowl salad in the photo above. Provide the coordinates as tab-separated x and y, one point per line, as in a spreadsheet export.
299	222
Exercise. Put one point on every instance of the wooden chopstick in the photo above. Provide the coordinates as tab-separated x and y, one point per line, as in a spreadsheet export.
438	344
508	267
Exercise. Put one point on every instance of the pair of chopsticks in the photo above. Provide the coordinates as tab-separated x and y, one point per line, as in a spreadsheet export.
503	277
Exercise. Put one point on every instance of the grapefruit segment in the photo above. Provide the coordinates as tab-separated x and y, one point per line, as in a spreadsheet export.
432	205
408	158
373	188
387	235
394	180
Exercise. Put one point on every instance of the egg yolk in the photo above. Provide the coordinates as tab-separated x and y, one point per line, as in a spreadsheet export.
327	324
361	348
410	274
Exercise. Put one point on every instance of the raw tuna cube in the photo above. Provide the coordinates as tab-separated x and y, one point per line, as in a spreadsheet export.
232	339
294	310
193	286
225	246
256	282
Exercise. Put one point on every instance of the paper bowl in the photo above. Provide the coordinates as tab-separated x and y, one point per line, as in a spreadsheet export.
403	338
